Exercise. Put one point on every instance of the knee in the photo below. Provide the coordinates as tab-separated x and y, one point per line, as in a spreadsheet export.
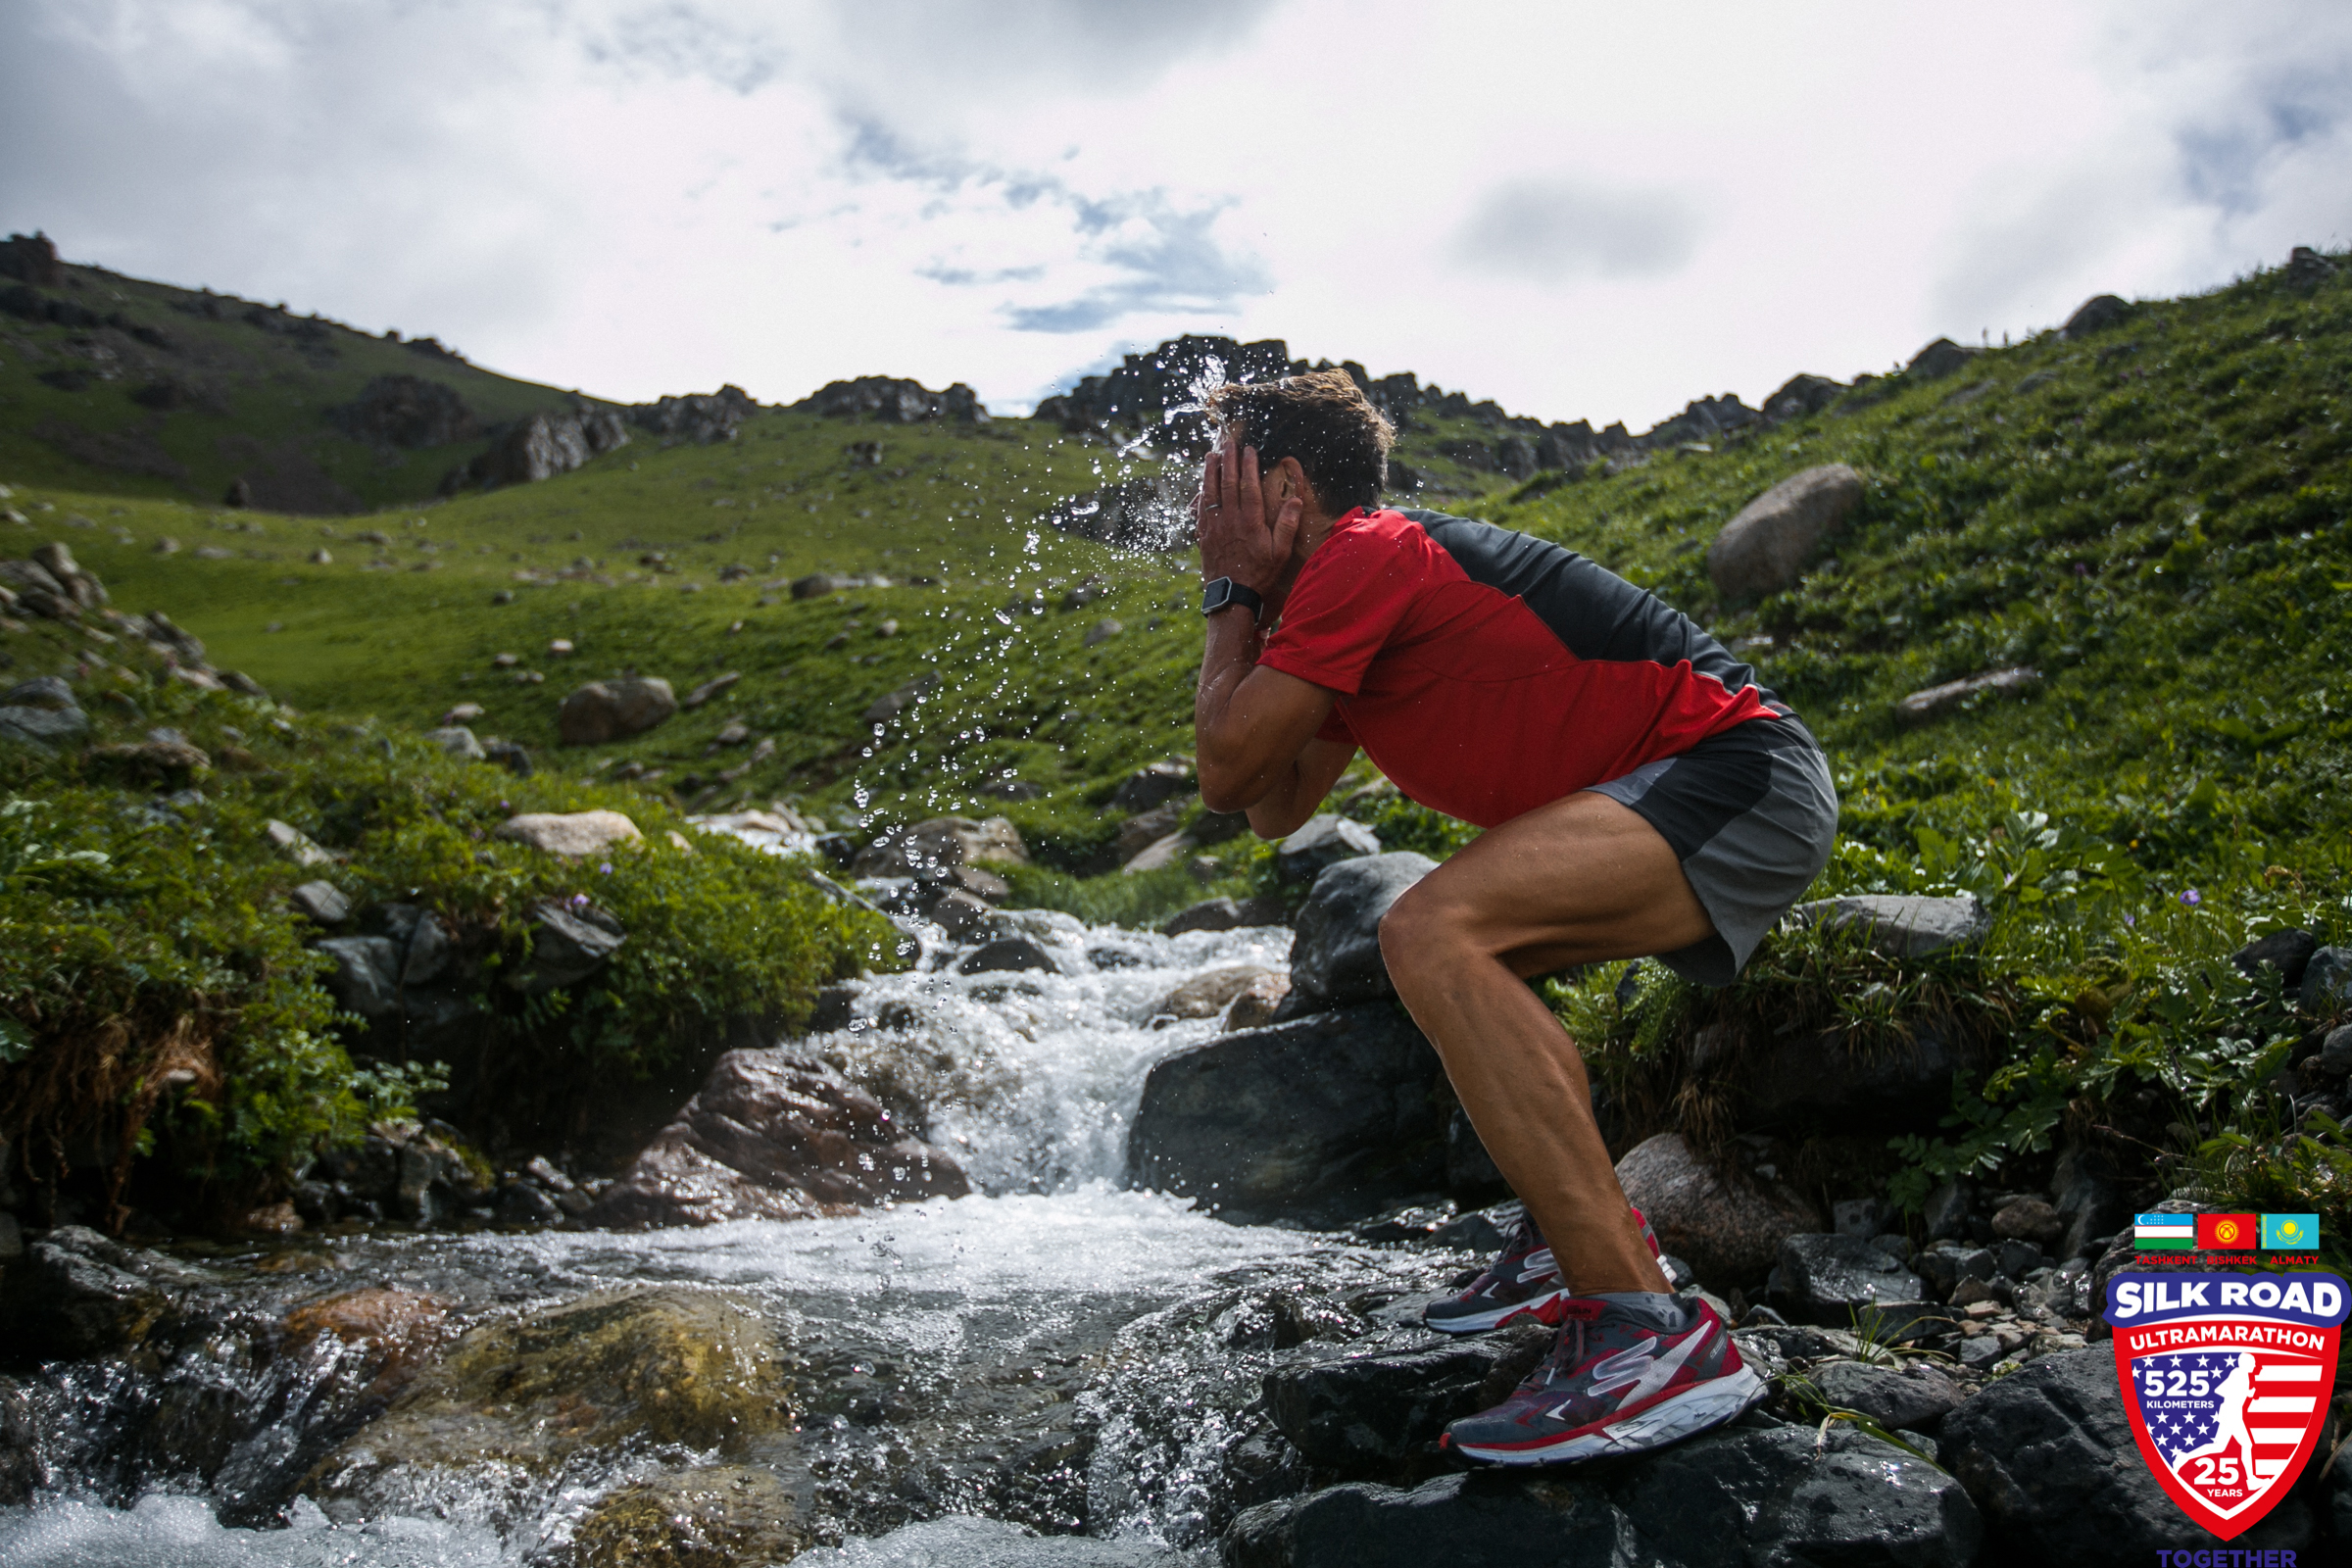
1412	937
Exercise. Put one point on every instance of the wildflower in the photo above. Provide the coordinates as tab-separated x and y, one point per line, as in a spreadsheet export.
579	901
2191	897
606	868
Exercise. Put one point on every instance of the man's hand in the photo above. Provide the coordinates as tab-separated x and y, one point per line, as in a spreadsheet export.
1237	538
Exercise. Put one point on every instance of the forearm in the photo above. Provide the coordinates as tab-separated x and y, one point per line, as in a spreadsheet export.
1221	732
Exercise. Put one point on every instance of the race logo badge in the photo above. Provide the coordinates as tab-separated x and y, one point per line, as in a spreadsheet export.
2226	1379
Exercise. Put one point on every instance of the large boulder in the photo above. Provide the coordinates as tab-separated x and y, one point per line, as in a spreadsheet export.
1744	1496
1155	784
1768	545
1727	1229
2048	1456
1335	957
1351	1414
1320	1120
75	1294
2094	315
615	710
1207	995
1940	359
772	1136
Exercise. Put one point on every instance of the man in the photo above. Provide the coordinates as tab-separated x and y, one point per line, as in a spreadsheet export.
1641	795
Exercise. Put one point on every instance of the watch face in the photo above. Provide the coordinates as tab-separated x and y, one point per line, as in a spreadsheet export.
1216	595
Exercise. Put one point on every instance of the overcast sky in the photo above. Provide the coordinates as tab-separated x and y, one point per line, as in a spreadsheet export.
1582	210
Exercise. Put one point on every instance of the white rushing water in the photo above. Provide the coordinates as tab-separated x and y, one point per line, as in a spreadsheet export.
1032	1079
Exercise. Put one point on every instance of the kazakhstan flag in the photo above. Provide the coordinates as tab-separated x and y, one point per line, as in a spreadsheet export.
2293	1232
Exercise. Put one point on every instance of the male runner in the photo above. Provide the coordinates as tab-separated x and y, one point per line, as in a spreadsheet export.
1641	795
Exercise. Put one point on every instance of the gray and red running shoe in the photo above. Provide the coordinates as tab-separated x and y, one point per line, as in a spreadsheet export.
1520	1285
1615	1384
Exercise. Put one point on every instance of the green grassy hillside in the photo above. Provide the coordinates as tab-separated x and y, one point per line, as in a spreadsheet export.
114	384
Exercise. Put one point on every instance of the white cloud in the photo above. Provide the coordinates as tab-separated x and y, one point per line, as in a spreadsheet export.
1580	208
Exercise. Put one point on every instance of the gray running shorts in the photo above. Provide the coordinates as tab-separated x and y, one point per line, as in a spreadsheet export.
1752	813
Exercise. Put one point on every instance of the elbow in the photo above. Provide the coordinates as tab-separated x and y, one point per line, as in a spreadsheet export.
1221	792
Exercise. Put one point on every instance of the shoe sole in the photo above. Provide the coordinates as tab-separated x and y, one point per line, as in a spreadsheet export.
1480	1322
1695	1409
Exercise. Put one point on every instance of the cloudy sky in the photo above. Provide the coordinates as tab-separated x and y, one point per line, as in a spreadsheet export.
1582	210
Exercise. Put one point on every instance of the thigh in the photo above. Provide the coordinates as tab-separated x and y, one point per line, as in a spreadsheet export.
1581	880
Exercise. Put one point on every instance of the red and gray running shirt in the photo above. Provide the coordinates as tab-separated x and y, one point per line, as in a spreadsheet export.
1488	673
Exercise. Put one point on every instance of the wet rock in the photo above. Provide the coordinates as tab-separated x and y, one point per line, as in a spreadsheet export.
1257	1003
1946	1264
957	914
934	849
1204	996
1826	1279
573	835
569	943
1473	1520
21	1472
1319	1121
1928	702
1335	959
2287	951
395	1330
772	1136
666	1365
2094	315
1359	1414
961	1540
1224	914
1323	842
75	1294
2048	1456
615	710
1006	953
1771	540
715	1517
526	1204
1729	1229
1915	1400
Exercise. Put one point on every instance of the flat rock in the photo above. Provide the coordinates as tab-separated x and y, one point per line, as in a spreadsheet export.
293	842
606	711
1768	545
1903	926
1826	1279
1321	1119
1912	1401
1729	1232
2048	1456
51	692
572	834
1335	957
1322	842
1928	702
963	1540
773	1136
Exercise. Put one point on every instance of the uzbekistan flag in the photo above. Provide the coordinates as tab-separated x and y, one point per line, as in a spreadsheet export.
2227	1232
2165	1233
2293	1231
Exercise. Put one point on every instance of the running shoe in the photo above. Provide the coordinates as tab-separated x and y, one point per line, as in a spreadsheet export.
1521	1284
1616	1383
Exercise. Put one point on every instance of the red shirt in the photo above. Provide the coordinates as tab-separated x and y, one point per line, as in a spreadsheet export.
1487	672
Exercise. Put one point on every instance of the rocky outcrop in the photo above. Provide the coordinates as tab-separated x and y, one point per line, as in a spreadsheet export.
32	258
1321	1119
2048	1456
699	419
894	401
1769	543
1335	959
605	710
540	447
1727	1229
1358	1414
1938	360
2094	315
773	1136
407	412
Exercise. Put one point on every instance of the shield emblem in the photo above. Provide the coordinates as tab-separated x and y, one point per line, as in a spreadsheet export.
2226	1380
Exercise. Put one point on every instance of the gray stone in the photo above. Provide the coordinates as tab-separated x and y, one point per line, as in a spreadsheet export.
890	704
524	1204
323	901
2090	1194
1323	842
430	950
366	979
571	834
958	914
1938	360
1946	1264
1922	705
1488	1520
297	843
1729	1228
1008	953
1903	926
1355	1415
2327	981
1225	915
1802	395
1335	957
933	848
1826	1279
2017	1260
43	726
458	741
2336	1054
51	692
568	946
2094	315
963	1540
2287	951
2048	1456
1155	784
1768	545
605	710
1321	1119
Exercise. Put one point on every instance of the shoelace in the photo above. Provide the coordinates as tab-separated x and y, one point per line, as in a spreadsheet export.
1568	1352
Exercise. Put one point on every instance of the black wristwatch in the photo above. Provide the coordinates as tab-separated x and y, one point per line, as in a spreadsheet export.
1225	592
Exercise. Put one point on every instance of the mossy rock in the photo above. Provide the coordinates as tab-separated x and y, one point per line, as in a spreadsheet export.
667	1365
727	1516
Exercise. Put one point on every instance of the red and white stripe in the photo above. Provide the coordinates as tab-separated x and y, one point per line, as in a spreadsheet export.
2280	1389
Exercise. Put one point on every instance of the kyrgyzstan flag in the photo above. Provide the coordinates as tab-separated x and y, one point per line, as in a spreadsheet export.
2227	1232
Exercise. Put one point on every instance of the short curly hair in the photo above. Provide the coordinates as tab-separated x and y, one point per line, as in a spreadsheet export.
1322	419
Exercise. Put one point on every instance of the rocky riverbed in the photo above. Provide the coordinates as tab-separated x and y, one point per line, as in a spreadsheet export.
1059	1368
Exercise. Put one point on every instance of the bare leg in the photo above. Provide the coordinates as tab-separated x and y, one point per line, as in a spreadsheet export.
1580	881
